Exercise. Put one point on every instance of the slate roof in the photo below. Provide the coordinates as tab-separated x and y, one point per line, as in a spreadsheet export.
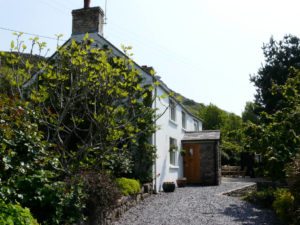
205	135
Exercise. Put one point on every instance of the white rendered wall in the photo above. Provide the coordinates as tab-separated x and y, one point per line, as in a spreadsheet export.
167	128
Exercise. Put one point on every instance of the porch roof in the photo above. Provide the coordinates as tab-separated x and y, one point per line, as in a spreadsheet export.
205	135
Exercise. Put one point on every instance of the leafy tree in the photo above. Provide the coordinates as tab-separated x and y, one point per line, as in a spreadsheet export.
83	110
249	114
94	107
213	117
278	137
275	133
230	125
232	139
280	56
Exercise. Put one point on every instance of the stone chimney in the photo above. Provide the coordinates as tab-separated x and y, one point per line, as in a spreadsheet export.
88	20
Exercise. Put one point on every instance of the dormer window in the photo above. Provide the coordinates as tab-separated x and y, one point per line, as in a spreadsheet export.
172	107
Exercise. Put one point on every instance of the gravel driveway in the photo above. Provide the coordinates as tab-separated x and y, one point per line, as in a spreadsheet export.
197	205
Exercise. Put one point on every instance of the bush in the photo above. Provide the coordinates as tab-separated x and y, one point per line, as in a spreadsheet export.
50	201
128	186
103	194
30	168
263	198
15	215
293	178
284	204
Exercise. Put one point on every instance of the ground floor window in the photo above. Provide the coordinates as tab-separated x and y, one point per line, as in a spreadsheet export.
173	151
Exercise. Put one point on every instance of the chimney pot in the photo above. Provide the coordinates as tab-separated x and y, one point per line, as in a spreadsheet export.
87	4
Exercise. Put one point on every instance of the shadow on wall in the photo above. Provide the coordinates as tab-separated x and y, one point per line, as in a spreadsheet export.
163	174
249	214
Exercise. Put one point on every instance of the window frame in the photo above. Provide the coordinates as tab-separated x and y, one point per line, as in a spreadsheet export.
183	120
173	153
196	125
172	106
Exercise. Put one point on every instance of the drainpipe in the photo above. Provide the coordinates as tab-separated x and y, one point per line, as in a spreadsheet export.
154	141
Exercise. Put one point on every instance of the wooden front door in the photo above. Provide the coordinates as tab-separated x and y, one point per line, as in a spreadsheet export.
191	161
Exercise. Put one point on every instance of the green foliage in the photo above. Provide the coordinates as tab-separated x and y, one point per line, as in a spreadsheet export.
128	186
22	145
284	204
263	198
293	179
142	161
275	133
14	214
54	202
281	200
213	117
94	106
231	129
30	167
277	137
280	57
249	114
85	110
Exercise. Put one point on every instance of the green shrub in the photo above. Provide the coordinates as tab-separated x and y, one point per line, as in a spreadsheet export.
51	202
284	204
293	179
15	215
128	186
263	198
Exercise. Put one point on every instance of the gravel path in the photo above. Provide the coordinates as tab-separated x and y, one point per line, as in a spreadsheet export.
197	206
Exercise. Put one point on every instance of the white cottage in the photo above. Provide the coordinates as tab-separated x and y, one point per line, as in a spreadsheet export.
179	129
173	124
176	123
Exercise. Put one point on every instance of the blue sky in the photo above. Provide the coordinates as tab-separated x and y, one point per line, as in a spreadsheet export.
203	49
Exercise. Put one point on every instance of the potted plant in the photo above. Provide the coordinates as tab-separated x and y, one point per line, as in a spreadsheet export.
168	186
173	148
182	152
181	182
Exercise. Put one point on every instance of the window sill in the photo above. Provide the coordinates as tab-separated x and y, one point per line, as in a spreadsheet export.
173	122
173	166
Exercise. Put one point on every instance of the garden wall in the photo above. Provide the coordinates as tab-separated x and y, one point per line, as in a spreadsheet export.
124	204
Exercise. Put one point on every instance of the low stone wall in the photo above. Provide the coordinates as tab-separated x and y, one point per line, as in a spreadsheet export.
241	191
125	203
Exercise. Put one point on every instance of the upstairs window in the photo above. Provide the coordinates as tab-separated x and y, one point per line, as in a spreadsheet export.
183	119
196	125
172	106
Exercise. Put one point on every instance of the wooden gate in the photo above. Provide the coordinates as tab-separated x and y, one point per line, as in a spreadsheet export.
191	162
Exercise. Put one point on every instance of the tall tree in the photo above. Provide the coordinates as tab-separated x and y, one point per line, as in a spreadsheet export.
277	138
250	113
280	56
94	106
276	135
